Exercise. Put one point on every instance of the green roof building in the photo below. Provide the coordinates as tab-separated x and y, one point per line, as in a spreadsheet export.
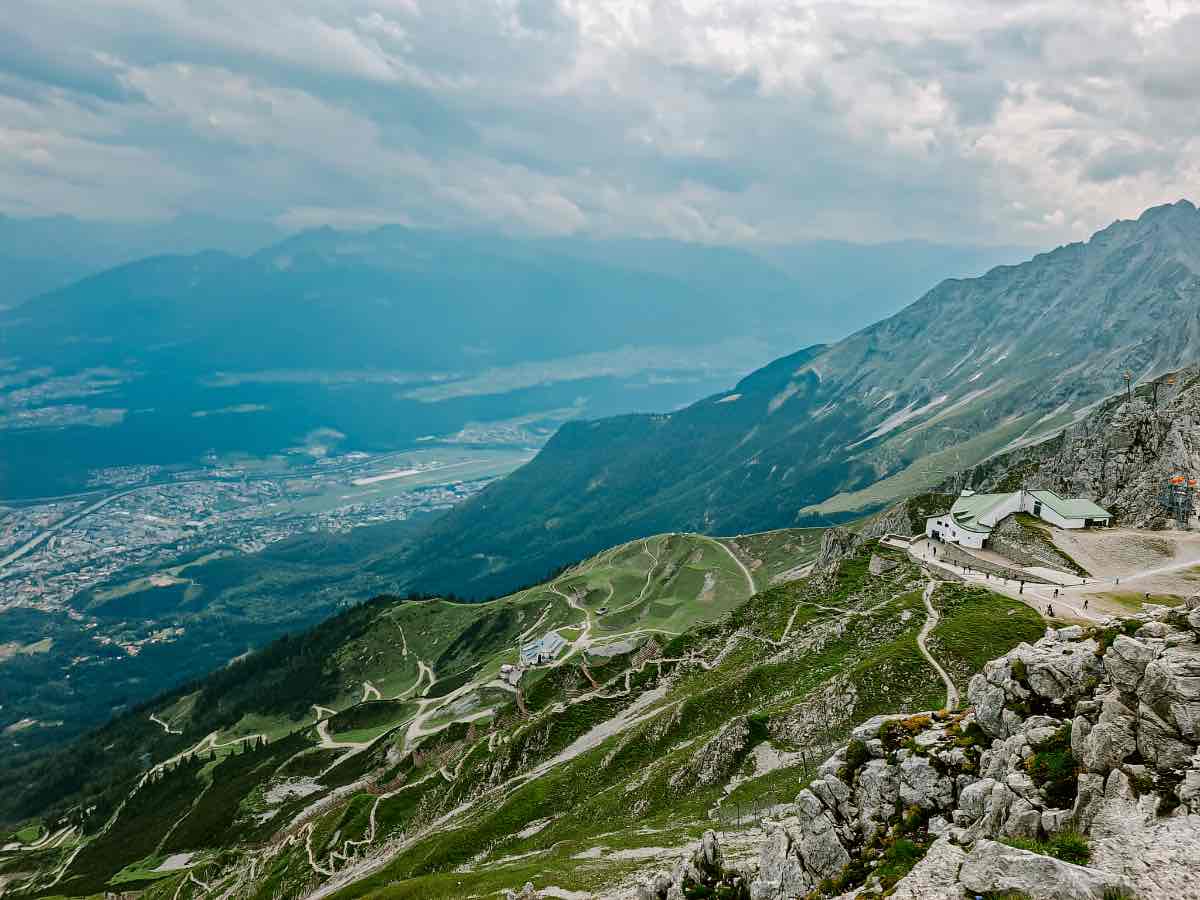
971	519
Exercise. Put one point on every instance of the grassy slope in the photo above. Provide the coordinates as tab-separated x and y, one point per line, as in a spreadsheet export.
658	584
851	653
635	788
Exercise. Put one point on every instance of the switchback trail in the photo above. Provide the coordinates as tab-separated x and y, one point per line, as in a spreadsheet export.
931	621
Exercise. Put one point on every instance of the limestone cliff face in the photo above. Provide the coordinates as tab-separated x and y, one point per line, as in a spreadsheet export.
1091	738
836	545
1127	451
1121	454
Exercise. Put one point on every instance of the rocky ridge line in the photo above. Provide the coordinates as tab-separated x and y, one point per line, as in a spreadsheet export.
1085	744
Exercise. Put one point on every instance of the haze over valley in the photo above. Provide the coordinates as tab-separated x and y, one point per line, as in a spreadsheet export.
599	450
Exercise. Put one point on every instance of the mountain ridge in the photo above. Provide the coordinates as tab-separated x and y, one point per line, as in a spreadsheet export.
969	369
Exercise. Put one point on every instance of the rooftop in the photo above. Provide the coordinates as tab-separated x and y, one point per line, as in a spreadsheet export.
970	508
1072	508
972	511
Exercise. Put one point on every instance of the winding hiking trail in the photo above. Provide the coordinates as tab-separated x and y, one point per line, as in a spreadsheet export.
931	621
328	741
165	727
423	672
741	565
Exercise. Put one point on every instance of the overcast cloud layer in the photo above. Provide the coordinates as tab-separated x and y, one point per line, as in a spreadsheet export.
733	121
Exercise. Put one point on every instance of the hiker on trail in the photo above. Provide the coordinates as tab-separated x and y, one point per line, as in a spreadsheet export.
1085	602
1022	590
1050	610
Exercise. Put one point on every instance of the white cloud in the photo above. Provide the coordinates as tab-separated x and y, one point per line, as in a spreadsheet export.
716	120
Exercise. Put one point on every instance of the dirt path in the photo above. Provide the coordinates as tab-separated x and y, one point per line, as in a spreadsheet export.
931	621
423	672
584	639
165	727
369	690
329	743
649	571
739	564
791	621
403	639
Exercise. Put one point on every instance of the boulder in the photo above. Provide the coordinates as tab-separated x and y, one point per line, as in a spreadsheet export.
1159	743
1111	740
1171	687
878	790
922	785
880	565
1051	670
1055	820
1160	855
1059	672
935	876
1024	820
1022	785
780	873
834	794
1080	729
1188	791
989	698
996	808
1125	662
701	866
1089	797
973	800
815	840
996	868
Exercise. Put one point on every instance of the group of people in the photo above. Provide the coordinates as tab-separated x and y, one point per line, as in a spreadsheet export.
1021	585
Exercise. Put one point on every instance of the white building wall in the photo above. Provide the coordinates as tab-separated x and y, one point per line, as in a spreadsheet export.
951	533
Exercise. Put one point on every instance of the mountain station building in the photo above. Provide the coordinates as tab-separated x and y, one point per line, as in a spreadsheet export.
973	516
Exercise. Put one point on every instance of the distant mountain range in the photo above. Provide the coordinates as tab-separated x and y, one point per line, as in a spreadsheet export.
396	333
974	366
43	254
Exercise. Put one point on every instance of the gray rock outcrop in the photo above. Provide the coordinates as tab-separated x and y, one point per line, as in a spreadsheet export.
701	867
1091	731
1121	455
996	868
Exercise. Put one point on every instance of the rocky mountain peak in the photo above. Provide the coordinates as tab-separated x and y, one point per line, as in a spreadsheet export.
1179	208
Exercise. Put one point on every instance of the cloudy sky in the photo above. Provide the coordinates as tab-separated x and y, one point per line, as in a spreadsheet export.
996	121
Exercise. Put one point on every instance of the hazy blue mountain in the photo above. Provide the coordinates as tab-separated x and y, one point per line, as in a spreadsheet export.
392	334
854	290
43	254
972	367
